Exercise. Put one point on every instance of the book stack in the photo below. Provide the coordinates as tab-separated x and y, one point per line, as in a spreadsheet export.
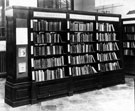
105	27
81	59
45	75
107	56
46	25
102	67
81	26
82	70
107	46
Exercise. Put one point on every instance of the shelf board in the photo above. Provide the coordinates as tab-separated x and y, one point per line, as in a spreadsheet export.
35	69
72	65
109	61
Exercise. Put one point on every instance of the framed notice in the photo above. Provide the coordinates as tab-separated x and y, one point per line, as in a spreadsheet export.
22	52
22	67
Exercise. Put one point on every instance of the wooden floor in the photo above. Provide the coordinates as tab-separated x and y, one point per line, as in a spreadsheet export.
115	98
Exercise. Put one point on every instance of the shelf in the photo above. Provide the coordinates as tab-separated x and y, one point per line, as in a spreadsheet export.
51	81
82	53
109	61
107	41
107	51
48	44
72	43
48	56
51	31
82	31
50	68
72	65
107	31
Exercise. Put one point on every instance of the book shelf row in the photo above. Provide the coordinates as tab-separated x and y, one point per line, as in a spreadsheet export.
107	46
44	38
129	52
107	56
129	28
81	59
82	70
47	50
129	44
106	36
45	75
47	62
103	67
105	27
81	37
129	37
81	26
44	25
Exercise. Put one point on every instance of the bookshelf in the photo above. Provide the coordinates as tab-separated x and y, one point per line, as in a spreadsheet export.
82	50
109	48
129	44
59	54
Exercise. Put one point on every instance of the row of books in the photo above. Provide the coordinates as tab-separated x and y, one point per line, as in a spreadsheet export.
46	37
107	46
83	70
81	37
47	50
46	25
129	28
129	44
81	48
81	59
108	66
129	52
106	36
45	75
47	62
107	56
129	36
81	26
105	27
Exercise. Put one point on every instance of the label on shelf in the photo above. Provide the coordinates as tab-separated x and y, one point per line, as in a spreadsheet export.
129	22
106	18
32	62
49	15
68	25
68	36
82	17
32	50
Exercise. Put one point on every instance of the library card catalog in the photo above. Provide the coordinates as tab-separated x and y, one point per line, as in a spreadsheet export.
21	36
104	18
49	15
82	17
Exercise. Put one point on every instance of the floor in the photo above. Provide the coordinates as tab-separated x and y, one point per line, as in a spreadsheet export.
115	98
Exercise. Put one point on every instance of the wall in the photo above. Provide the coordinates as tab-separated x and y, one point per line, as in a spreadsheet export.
78	4
122	9
84	5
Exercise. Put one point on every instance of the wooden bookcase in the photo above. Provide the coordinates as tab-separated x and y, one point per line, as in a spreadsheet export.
58	53
129	45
